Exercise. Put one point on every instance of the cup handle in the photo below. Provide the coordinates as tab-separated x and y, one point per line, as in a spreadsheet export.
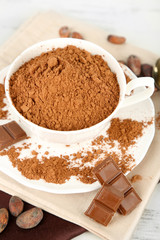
141	95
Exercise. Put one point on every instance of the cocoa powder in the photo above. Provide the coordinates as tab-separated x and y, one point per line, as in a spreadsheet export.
65	89
59	169
136	178
125	131
53	169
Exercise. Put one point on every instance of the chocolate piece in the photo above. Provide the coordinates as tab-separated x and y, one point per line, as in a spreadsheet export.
106	171
110	197
5	138
10	133
130	201
99	213
121	183
116	193
105	204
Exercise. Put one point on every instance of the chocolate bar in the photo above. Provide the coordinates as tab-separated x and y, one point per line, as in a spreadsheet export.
106	171
121	183
110	197
117	179
105	204
116	193
10	133
130	202
99	212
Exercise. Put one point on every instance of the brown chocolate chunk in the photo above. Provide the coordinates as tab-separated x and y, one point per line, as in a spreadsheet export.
99	213
10	133
14	130
109	170
130	202
106	171
121	183
110	197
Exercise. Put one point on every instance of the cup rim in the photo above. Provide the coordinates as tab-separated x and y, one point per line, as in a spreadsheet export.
40	44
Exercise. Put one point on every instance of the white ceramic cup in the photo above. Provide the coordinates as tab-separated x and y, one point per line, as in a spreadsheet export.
69	137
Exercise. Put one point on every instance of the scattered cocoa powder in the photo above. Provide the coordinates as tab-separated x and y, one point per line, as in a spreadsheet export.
136	178
34	153
59	169
3	113
125	131
63	88
54	169
158	121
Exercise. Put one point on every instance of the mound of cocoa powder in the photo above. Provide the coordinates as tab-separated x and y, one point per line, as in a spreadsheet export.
65	89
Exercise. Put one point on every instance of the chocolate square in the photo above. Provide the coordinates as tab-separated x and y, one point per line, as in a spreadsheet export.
121	183
99	213
10	133
5	138
130	202
110	197
106	171
15	130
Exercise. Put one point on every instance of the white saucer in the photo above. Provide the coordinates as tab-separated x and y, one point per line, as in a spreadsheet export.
143	111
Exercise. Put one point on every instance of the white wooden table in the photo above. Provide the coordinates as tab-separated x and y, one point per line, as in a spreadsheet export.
138	21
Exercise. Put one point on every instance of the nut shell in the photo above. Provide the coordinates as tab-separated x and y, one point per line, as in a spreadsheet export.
146	70
116	39
134	64
16	206
4	217
64	32
76	35
29	219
